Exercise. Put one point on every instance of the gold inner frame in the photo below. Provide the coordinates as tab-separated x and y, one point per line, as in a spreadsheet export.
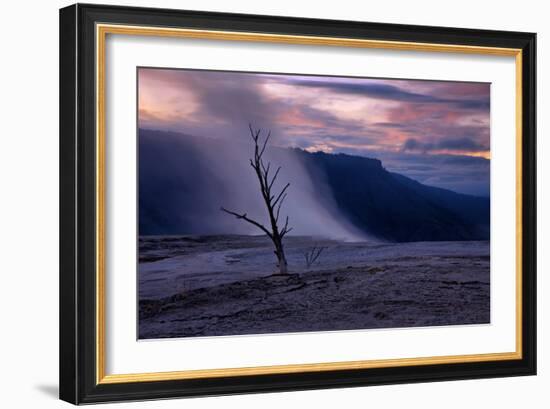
101	33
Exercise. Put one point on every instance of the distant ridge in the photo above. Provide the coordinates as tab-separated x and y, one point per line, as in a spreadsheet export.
393	207
397	208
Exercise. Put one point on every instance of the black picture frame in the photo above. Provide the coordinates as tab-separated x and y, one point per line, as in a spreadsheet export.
78	308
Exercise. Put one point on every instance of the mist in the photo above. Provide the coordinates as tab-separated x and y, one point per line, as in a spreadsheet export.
185	180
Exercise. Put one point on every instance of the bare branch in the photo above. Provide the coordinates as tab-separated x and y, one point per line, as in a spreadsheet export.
265	169
312	255
279	207
274	177
265	143
281	194
285	229
253	133
283	234
249	220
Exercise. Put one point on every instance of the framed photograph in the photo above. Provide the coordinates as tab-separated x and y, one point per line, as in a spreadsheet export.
257	203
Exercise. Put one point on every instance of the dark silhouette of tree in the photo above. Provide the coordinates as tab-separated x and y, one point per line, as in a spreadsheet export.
273	201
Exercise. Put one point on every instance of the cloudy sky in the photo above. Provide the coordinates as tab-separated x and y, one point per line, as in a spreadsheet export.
433	131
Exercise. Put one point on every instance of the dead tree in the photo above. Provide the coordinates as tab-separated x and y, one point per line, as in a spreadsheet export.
273	201
312	255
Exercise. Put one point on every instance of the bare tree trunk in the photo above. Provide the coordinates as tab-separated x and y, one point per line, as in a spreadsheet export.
273	202
281	260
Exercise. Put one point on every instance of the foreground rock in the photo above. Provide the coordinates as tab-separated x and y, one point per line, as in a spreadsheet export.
404	291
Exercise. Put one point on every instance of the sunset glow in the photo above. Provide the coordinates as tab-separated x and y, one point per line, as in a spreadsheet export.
397	121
